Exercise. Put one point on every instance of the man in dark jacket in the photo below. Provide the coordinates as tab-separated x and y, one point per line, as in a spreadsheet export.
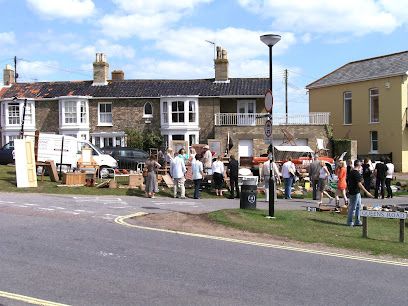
380	174
233	175
314	170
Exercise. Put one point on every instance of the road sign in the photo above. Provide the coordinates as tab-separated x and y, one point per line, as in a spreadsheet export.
268	128
268	101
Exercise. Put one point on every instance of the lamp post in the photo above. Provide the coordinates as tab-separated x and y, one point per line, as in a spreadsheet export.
270	40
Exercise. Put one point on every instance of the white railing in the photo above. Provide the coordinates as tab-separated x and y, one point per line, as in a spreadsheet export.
260	118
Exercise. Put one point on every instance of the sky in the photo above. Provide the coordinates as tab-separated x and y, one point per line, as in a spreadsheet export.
56	40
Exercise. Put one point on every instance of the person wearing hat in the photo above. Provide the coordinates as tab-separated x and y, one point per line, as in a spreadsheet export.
207	159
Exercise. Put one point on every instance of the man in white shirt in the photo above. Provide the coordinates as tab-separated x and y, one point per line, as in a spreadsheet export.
288	174
266	175
177	172
198	172
388	178
207	159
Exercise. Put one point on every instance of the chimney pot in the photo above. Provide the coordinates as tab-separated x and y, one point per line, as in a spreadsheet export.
118	75
100	70
221	65
8	76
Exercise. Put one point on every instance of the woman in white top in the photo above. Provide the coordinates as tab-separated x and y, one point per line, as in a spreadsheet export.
323	175
218	175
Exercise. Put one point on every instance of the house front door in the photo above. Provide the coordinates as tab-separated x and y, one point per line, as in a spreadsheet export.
246	112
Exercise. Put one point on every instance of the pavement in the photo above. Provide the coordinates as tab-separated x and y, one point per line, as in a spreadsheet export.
110	207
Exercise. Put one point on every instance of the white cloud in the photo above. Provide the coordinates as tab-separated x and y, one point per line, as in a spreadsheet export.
36	70
144	26
146	19
7	38
149	7
68	9
357	17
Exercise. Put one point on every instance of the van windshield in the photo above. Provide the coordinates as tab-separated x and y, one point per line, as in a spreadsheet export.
97	150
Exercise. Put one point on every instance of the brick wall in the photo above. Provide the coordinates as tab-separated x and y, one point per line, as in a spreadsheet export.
256	133
207	108
47	116
126	113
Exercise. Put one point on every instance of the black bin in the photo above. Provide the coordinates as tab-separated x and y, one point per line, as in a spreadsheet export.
248	197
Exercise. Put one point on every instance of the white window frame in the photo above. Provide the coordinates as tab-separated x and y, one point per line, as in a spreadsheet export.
106	114
193	111
178	112
246	118
347	99
371	96
70	112
14	120
372	142
145	115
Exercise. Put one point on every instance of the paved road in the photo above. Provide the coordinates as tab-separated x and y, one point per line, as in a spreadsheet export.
64	258
67	249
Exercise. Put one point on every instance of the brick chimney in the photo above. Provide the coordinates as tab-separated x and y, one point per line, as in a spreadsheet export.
100	70
118	75
221	65
8	76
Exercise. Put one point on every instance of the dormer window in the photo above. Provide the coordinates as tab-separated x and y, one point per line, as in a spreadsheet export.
147	110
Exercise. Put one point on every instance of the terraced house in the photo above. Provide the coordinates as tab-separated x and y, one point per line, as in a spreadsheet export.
102	109
368	100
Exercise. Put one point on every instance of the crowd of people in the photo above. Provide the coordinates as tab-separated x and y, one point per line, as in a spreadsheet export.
201	165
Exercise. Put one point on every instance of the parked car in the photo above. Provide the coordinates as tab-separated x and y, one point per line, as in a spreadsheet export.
127	158
7	154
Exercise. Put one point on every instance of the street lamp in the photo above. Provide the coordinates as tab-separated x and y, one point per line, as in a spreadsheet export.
270	40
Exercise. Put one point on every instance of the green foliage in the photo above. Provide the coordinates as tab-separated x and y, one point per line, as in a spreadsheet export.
318	227
329	131
340	146
143	139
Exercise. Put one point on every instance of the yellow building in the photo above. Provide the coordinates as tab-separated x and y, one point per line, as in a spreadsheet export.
367	100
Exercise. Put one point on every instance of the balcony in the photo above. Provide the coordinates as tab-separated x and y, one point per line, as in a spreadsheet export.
234	119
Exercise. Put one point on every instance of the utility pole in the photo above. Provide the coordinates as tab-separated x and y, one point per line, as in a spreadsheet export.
286	95
15	69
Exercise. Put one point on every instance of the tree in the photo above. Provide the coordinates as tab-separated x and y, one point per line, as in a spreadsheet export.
143	139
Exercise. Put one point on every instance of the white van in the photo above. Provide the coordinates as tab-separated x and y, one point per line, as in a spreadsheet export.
49	148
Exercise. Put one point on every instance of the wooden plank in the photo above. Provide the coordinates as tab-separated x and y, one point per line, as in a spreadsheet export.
52	171
168	180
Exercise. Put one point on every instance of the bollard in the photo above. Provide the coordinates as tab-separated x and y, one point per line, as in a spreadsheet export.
364	224
402	227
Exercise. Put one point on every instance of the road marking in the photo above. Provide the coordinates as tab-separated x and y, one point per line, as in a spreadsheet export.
121	221
7	202
21	205
57	207
71	212
27	299
48	209
28	204
85	211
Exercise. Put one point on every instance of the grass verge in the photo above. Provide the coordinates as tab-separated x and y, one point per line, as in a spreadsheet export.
316	227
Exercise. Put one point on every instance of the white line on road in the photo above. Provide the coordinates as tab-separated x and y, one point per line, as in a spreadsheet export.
28	204
7	202
57	207
85	211
122	221
21	205
71	212
47	209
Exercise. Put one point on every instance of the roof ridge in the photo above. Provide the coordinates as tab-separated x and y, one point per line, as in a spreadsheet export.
376	57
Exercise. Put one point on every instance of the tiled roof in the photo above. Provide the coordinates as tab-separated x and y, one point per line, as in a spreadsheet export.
367	69
140	88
